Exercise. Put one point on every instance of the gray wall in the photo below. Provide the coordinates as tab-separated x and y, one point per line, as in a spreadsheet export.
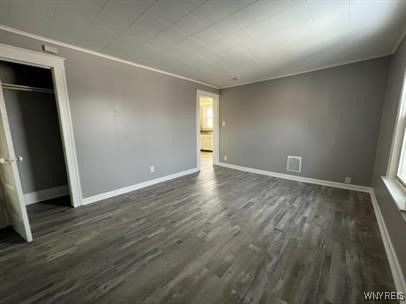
393	219
125	119
34	128
329	117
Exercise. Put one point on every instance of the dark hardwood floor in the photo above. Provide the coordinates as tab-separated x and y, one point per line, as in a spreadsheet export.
221	236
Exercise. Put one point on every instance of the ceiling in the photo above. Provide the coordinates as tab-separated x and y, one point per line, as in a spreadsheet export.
215	41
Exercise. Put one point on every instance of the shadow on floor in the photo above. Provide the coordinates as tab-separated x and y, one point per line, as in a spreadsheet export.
9	237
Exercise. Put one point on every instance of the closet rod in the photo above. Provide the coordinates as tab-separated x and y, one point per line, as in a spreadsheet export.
16	87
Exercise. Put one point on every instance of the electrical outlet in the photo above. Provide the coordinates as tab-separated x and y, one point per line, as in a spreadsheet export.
152	169
223	123
347	180
225	157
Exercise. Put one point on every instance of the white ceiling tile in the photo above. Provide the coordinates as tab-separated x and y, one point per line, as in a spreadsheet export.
168	37
219	45
190	44
177	51
251	14
126	42
146	50
128	10
29	15
144	29
97	38
95	3
172	10
208	36
233	6
72	19
380	14
148	24
118	49
330	15
227	26
189	25
210	12
262	30
119	14
275	7
293	16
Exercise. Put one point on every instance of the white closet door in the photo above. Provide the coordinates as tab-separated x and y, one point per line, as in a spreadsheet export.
9	178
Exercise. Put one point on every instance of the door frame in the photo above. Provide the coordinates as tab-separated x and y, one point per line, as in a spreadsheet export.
57	66
216	135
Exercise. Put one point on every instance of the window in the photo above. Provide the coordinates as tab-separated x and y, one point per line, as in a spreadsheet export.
401	173
395	179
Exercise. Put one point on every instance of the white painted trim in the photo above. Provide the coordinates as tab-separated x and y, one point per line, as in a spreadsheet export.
46	194
56	64
398	132
106	195
304	72
298	178
396	190
216	124
398	276
84	50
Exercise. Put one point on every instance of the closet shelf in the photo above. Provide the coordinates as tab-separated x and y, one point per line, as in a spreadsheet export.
16	87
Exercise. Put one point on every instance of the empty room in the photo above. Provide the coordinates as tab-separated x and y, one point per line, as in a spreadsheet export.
202	151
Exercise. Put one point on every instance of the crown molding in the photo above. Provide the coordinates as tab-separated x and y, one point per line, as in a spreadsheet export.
305	71
84	50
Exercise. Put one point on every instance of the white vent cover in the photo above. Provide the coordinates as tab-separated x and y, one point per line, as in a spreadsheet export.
294	163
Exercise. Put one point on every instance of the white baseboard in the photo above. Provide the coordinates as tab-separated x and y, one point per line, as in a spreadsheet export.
46	194
398	276
299	178
106	195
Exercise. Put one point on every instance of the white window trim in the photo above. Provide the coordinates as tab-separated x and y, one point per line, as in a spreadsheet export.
391	180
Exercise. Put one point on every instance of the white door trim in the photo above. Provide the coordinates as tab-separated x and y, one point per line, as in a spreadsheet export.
57	66
216	136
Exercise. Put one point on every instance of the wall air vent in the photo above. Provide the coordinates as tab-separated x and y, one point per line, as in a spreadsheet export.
294	164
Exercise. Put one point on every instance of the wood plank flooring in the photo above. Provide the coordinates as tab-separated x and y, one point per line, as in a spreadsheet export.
221	236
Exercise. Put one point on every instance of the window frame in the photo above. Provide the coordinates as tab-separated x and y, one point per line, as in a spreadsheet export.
393	180
402	155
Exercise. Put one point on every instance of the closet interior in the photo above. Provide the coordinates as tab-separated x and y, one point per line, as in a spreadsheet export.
31	110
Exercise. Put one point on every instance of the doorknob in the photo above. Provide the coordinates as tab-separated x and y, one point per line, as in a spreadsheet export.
3	160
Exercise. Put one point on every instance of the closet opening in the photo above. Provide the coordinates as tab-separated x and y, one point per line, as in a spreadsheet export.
30	114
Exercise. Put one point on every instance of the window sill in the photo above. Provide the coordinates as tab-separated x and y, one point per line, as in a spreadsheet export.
397	192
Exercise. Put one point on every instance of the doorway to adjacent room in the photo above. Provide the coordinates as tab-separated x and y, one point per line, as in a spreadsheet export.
207	128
